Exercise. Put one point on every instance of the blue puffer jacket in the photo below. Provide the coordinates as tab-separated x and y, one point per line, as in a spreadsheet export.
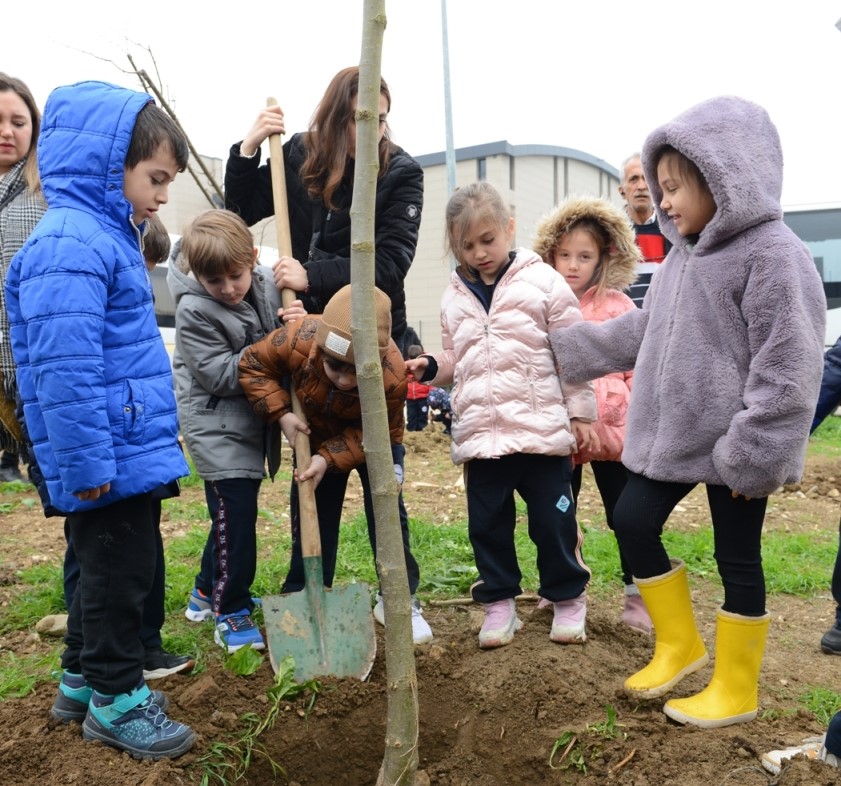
93	372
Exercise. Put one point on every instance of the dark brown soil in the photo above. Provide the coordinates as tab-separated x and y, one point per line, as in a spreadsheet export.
487	718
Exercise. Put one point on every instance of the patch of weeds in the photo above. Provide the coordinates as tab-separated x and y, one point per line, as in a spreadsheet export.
228	762
244	661
20	675
822	703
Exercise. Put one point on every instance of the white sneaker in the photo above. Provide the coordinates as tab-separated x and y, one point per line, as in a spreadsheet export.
812	748
421	632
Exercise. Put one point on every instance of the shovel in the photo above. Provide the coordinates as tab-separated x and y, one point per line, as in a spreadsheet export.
326	631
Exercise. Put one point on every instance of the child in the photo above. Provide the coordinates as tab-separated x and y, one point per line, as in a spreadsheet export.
727	357
95	381
828	401
158	662
439	406
417	395
317	352
223	303
514	424
588	241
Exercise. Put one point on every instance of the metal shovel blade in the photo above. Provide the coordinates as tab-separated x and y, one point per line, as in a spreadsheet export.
328	632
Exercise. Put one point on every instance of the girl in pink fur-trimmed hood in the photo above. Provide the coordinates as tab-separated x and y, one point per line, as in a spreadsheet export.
591	244
727	355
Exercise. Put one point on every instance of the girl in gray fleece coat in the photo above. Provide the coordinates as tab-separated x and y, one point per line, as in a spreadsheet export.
727	357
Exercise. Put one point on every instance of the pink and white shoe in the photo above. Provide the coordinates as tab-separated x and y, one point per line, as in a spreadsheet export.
635	614
568	623
500	625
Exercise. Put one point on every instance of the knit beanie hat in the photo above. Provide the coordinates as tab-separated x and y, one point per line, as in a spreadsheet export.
333	333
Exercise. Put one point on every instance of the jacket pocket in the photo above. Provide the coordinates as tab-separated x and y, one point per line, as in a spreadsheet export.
134	411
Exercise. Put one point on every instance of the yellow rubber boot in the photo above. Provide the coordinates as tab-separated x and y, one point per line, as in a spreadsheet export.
731	696
678	647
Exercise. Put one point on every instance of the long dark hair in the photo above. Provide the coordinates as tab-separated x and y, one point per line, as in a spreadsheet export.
328	155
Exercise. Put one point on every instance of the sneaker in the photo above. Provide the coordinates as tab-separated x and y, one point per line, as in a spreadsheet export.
160	663
10	475
136	724
74	695
568	622
237	630
421	632
542	603
812	748
831	640
500	625
635	614
198	607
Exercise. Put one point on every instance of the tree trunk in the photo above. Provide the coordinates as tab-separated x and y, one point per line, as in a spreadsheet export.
400	760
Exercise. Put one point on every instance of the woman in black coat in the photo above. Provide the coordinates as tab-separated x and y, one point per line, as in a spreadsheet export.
319	167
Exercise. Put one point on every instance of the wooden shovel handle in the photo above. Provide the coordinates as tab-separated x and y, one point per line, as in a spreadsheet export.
310	536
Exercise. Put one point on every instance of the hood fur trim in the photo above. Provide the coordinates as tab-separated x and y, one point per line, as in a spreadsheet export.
624	252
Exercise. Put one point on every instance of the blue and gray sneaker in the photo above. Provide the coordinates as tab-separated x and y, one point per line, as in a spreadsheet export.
198	607
74	695
133	723
237	630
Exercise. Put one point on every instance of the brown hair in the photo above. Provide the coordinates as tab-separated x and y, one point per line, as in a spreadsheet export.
687	168
217	242
328	154
30	168
156	243
469	205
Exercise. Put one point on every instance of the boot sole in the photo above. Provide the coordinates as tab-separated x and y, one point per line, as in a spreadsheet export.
707	723
660	690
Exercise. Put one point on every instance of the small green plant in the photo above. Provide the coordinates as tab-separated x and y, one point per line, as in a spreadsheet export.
609	729
228	762
244	661
571	756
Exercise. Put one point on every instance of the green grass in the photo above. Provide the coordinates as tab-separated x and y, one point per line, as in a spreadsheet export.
826	441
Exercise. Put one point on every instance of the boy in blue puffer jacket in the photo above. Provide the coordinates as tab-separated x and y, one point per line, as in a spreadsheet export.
96	387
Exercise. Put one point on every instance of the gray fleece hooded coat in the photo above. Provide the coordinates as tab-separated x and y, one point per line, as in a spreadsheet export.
728	350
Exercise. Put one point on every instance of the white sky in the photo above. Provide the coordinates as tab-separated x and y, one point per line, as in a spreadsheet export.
593	75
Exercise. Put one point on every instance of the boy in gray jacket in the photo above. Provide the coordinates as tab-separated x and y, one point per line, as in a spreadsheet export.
224	303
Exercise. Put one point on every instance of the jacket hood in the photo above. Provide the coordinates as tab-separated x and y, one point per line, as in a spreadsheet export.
624	252
183	283
85	134
737	148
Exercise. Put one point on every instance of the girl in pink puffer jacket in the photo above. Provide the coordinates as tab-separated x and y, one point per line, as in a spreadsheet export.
514	422
591	244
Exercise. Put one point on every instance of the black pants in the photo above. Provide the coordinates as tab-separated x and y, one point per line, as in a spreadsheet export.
642	511
544	484
836	581
117	553
329	501
611	477
229	560
417	414
153	607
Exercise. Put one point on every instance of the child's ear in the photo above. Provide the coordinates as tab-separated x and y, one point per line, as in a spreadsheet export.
256	253
512	225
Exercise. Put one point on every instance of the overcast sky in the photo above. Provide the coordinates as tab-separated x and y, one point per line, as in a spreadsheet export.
596	76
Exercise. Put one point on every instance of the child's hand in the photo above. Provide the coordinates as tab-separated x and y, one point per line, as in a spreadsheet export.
417	366
290	425
269	121
289	273
315	471
585	436
295	310
735	494
92	494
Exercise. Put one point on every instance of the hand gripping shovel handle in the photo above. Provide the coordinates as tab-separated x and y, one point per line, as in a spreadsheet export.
310	536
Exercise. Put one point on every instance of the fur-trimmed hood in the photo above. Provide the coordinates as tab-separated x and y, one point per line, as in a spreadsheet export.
737	148
624	252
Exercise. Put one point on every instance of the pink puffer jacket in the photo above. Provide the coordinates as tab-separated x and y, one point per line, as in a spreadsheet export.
507	397
613	391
